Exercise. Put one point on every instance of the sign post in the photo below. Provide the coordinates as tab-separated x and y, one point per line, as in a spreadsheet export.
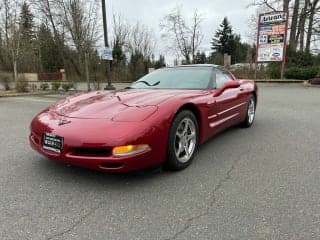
272	39
107	48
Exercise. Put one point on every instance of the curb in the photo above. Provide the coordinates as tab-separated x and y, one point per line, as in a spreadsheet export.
279	81
28	94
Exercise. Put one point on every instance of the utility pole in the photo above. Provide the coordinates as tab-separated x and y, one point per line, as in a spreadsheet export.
86	57
106	43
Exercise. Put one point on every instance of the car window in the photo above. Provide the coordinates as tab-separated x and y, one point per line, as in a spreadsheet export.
221	77
176	78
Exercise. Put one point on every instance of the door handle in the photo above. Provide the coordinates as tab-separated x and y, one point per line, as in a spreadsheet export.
241	89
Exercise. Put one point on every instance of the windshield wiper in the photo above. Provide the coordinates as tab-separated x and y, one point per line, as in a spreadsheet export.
156	84
148	84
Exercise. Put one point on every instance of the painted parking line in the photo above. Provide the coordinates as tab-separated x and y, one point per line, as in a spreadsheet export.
31	99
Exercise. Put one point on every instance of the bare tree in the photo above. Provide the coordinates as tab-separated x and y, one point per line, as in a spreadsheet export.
12	32
121	31
314	8
185	39
80	18
80	29
76	27
141	41
294	24
286	5
48	10
197	36
300	37
270	4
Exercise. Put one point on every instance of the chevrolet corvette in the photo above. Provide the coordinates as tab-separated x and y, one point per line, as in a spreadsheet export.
160	120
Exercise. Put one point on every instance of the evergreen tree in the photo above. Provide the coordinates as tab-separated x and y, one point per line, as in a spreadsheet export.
241	50
119	57
223	42
27	23
51	60
226	42
28	60
137	66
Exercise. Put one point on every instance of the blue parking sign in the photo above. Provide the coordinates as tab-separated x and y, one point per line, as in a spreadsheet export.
107	54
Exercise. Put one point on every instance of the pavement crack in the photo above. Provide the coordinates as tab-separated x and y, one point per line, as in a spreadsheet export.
75	223
206	212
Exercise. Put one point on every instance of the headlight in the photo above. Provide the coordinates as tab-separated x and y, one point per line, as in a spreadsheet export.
128	150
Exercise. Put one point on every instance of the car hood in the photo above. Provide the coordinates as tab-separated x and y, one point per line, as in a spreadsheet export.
122	105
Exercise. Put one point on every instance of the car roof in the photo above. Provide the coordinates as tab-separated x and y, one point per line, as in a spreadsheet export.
197	65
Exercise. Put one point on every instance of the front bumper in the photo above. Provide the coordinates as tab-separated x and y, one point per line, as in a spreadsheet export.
100	134
106	164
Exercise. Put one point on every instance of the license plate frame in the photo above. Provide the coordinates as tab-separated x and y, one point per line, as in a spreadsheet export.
52	142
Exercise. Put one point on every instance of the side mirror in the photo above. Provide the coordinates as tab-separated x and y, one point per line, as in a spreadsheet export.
231	84
228	85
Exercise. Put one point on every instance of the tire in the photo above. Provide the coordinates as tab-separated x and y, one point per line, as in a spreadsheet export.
183	141
251	112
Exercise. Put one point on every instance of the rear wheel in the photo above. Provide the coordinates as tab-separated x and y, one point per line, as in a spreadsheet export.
183	141
251	112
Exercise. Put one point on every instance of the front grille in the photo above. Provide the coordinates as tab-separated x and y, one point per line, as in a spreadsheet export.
91	152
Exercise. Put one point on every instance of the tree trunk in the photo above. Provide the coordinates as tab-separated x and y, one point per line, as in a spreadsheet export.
188	61
15	70
311	22
87	70
294	24
6	7
302	22
286	5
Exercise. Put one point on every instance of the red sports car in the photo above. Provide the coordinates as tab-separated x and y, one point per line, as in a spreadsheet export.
161	119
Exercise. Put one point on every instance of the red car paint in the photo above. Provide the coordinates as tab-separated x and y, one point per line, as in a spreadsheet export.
93	123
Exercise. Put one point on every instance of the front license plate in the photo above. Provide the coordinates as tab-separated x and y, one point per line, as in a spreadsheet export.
52	142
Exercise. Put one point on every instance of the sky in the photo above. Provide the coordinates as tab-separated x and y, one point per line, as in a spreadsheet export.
151	12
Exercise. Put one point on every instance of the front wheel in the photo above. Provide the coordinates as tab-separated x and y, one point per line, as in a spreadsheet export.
251	112
183	141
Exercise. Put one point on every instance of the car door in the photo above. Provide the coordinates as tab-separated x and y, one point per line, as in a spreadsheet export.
225	109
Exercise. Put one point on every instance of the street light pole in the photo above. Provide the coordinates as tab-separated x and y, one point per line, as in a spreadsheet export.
106	43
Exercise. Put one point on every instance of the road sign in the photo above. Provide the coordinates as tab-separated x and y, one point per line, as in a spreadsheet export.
107	54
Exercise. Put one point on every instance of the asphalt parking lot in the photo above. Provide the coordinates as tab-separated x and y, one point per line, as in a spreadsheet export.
258	183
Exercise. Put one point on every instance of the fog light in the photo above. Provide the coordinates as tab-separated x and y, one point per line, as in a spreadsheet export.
128	150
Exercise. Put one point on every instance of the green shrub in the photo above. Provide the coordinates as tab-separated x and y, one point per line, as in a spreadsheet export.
274	70
301	73
299	59
22	85
67	86
55	86
44	86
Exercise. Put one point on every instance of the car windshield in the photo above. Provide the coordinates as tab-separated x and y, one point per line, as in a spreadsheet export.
176	78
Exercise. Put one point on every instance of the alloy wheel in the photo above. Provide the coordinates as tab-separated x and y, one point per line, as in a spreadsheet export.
251	111
185	140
